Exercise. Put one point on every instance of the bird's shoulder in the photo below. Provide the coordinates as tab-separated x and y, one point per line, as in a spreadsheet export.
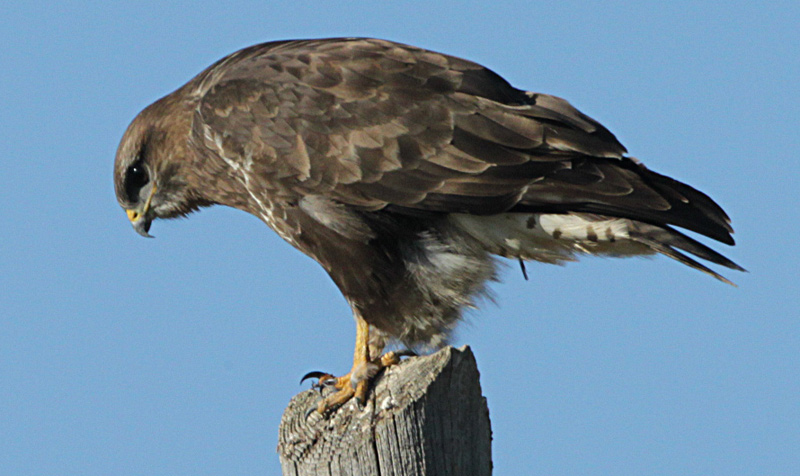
355	65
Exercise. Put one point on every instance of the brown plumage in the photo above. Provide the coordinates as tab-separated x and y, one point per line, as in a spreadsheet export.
401	171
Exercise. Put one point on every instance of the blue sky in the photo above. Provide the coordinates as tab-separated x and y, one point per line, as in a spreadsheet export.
120	355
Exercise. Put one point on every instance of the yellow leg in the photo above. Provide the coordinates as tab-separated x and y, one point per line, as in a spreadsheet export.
361	352
361	359
357	382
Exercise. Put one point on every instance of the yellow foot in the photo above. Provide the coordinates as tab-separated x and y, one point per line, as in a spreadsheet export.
354	384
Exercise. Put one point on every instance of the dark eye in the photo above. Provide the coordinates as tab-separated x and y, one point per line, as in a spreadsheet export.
135	178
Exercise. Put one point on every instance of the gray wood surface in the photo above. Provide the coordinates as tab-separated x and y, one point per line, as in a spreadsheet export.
425	416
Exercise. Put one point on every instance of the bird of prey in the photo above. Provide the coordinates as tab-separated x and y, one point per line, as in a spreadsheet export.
403	172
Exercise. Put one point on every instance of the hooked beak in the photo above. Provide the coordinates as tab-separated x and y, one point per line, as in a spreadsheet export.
140	217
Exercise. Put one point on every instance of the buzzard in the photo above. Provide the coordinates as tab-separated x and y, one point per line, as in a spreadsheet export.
403	172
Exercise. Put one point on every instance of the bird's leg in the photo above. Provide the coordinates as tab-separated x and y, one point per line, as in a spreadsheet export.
356	383
359	374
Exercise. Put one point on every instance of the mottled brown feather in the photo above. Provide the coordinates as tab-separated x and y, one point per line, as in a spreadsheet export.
394	107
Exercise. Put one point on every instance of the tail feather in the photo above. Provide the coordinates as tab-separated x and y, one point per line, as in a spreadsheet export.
559	237
665	240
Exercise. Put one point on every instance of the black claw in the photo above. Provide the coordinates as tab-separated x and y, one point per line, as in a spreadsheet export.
315	374
310	411
359	404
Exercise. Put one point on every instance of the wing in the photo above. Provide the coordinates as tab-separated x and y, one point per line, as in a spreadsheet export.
379	125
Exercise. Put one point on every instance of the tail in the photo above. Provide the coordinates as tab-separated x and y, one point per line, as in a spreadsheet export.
559	237
668	241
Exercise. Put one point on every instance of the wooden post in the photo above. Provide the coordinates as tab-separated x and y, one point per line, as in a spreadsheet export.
425	416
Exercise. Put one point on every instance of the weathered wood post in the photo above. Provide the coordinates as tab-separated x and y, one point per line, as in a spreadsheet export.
425	416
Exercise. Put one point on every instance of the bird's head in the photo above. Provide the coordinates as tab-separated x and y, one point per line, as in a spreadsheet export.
152	169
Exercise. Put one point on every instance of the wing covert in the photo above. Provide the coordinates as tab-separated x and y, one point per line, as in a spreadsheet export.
373	124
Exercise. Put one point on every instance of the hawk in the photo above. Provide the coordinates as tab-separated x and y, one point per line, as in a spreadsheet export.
403	172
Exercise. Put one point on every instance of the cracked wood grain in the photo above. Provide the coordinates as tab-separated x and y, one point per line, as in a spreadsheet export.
425	416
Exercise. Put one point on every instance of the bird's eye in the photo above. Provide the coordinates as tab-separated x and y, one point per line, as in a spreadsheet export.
136	177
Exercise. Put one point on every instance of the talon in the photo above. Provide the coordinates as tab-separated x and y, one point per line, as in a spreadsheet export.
310	411
357	382
314	374
332	402
361	393
393	358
